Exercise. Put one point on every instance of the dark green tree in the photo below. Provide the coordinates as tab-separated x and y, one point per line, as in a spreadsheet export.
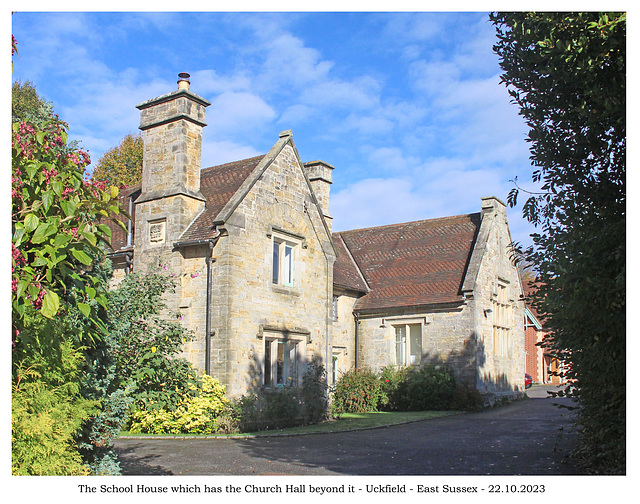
566	72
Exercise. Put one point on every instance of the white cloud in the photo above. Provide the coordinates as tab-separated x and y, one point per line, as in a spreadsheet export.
232	112
374	202
361	93
216	153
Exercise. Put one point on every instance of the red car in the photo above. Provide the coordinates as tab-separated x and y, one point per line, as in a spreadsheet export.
528	381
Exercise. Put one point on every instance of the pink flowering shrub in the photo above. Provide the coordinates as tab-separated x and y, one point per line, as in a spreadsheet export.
58	220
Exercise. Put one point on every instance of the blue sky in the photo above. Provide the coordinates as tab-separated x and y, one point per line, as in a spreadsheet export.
406	106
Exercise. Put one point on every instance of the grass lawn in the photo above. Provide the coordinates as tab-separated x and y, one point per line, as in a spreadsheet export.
357	421
348	421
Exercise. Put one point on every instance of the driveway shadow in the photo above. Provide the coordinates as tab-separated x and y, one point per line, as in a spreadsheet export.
132	463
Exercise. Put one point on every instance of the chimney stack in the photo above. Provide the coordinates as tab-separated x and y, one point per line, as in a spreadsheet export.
171	127
321	177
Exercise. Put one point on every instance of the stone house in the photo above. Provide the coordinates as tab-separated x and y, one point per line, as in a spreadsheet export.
267	287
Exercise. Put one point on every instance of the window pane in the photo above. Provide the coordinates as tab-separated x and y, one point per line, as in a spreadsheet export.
276	261
401	337
415	336
280	364
292	363
267	363
288	265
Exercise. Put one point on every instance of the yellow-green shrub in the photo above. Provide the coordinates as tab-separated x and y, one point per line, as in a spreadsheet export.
194	415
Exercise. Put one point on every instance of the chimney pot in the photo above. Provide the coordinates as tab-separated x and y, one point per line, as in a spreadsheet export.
183	81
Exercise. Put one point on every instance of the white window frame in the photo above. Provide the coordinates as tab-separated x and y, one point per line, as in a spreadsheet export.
284	261
284	358
403	343
338	356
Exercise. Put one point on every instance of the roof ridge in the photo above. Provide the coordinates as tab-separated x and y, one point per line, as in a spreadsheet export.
214	167
397	224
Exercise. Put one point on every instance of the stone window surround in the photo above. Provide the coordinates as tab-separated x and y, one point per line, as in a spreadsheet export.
283	373
285	240
405	320
501	317
338	355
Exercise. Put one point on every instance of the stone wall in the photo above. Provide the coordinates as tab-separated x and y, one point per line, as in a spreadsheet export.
501	358
447	338
247	304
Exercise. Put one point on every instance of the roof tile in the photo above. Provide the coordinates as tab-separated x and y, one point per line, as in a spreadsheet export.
414	263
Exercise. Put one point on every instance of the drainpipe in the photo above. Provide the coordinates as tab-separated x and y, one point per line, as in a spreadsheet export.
356	316
207	338
129	224
209	260
128	261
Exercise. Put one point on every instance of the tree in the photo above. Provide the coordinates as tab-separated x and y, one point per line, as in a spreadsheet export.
55	220
27	105
566	72
58	235
121	165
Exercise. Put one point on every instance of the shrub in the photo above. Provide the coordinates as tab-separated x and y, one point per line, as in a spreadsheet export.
148	345
391	379
467	398
314	394
282	407
194	414
427	388
47	411
357	391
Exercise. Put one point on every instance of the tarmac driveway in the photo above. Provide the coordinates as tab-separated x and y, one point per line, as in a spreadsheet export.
529	437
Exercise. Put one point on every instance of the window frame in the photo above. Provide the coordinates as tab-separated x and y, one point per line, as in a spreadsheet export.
501	319
284	257
274	376
407	350
338	363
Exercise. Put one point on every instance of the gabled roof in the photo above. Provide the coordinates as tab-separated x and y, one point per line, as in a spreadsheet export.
411	264
345	271
218	184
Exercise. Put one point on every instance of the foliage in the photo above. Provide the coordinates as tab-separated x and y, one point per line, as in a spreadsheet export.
467	398
121	165
314	396
27	105
391	380
426	388
65	410
54	221
148	342
195	414
47	408
99	381
357	391
566	72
